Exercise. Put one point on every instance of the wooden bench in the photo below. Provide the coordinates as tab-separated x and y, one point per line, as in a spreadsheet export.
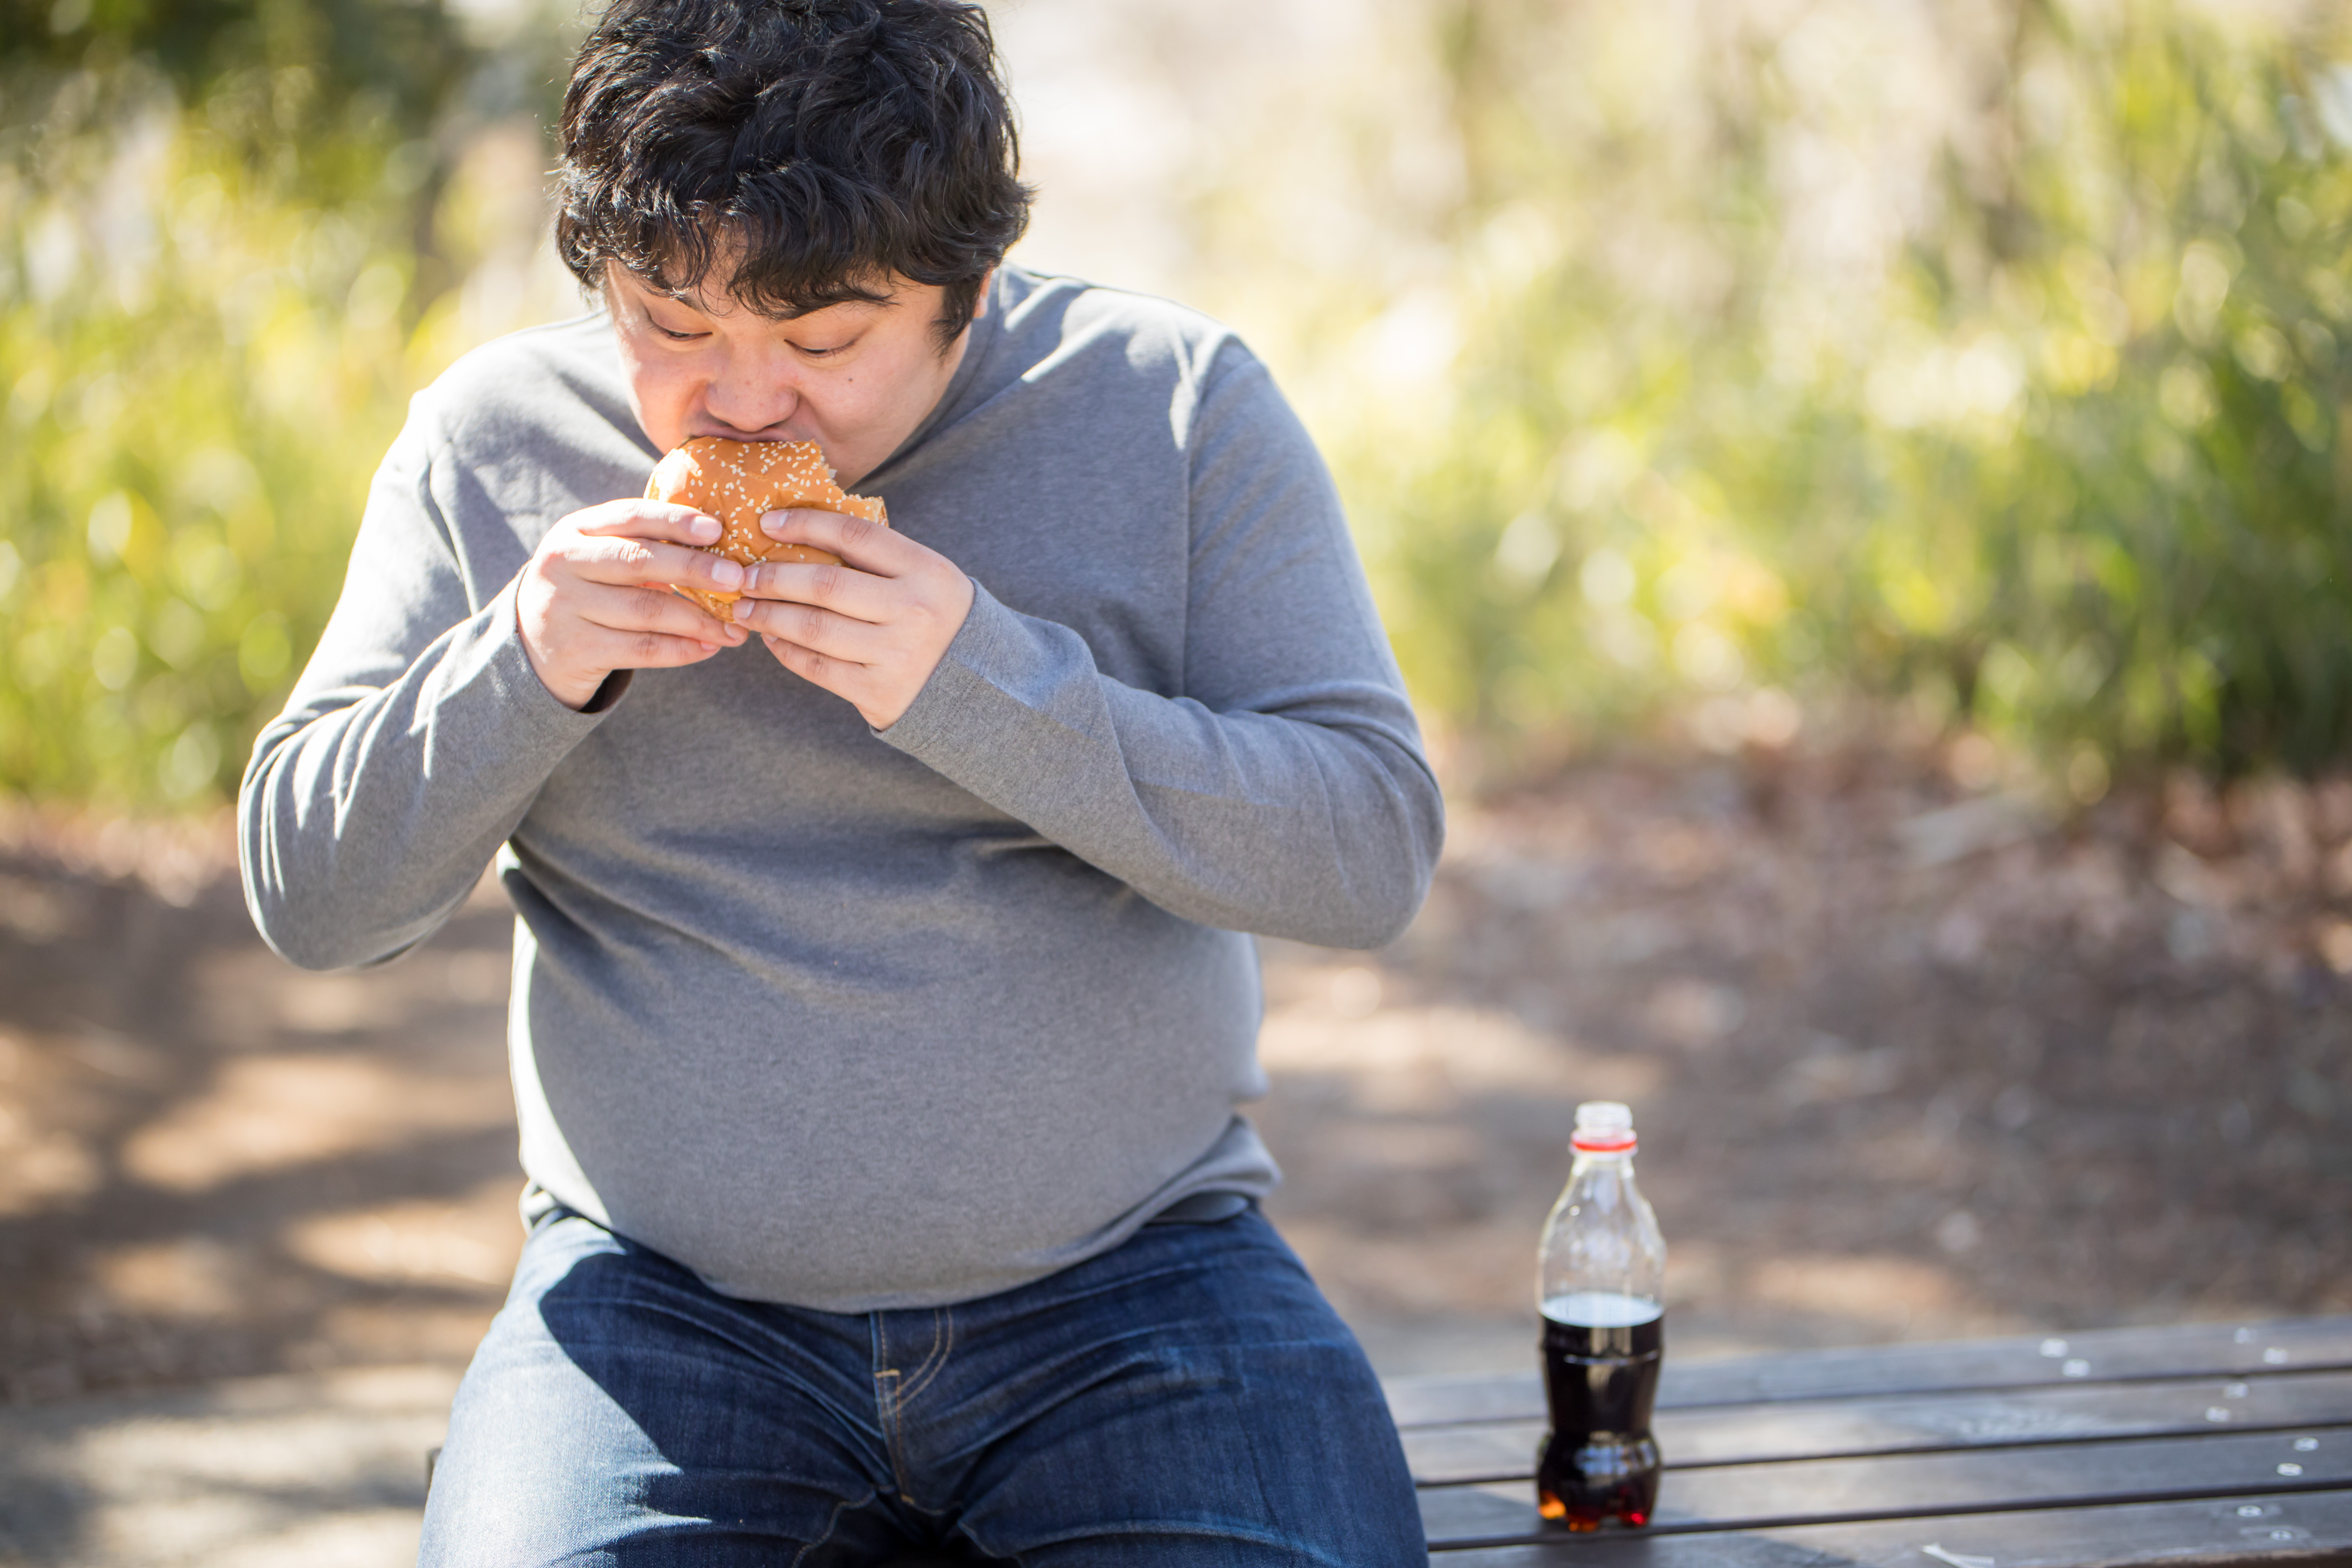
2206	1445
2210	1444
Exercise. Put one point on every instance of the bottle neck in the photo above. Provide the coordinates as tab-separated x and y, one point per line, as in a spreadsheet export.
1603	1183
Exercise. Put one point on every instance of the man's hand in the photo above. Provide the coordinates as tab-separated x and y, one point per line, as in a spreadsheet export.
870	630
594	597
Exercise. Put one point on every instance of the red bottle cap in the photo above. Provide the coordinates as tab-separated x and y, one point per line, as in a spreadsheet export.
1604	1127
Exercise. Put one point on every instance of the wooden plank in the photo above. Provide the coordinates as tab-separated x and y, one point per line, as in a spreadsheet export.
1811	1491
2196	1351
2307	1530
1795	1429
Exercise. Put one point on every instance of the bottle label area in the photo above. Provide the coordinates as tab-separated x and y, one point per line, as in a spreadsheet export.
1599	1464
1602	1377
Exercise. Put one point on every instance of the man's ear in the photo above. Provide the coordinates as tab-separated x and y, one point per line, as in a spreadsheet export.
979	308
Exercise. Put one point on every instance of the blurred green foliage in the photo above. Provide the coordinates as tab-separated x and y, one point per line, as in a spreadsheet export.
400	62
229	239
1730	361
2066	455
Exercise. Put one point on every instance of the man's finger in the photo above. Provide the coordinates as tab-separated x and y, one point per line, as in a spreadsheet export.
837	676
868	546
656	650
628	560
861	595
593	646
836	636
639	519
624	608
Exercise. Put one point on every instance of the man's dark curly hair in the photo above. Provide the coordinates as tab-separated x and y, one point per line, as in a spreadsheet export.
843	142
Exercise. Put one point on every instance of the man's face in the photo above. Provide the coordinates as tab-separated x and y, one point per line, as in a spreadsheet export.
856	378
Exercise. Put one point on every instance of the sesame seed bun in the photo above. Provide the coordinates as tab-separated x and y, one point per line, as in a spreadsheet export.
739	482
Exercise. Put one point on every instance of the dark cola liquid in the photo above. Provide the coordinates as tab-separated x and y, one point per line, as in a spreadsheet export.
1599	1463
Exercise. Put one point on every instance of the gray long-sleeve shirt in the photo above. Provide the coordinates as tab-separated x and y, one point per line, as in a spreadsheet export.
853	1019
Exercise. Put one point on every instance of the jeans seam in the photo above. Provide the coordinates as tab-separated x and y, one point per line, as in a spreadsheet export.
885	1404
893	1389
936	1360
832	1524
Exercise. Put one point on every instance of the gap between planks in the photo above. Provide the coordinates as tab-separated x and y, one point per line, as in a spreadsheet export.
2310	1529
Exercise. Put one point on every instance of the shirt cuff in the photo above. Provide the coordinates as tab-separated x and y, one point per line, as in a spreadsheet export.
994	696
502	666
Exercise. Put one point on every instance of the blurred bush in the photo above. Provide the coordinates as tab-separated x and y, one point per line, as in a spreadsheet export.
2002	366
1673	358
235	236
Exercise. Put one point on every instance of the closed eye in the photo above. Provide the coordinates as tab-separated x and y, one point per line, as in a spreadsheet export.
674	334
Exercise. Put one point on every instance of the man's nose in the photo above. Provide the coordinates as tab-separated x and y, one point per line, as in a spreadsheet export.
757	388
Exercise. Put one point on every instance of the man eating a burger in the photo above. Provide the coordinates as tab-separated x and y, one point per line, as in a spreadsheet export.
883	1002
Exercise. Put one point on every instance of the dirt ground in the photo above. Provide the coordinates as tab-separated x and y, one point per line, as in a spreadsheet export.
1910	1056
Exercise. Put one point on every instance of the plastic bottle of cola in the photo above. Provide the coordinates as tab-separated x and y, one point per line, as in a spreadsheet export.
1603	1273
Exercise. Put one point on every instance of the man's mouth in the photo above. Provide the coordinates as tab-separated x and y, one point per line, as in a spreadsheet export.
788	430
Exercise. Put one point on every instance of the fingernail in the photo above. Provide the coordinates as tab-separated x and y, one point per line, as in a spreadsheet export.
726	573
706	529
772	524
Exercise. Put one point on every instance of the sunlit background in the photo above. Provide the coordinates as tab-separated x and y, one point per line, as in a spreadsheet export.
1861	490
1984	357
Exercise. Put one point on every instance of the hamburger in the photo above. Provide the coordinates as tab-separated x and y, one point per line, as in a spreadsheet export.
739	482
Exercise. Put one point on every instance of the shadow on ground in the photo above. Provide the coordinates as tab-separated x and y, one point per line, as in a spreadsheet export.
216	1165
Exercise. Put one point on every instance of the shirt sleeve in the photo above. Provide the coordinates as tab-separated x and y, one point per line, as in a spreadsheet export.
1284	790
413	744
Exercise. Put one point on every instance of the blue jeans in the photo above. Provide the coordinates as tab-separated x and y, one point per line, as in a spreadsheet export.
1188	1399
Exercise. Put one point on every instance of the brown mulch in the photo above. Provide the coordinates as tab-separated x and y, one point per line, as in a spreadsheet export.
1910	1058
